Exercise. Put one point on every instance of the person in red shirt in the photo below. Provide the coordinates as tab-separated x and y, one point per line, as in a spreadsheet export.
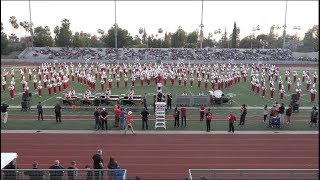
183	116
116	111
129	123
201	109
232	119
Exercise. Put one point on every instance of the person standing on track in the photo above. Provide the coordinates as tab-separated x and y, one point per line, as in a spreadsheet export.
176	115
265	113
116	115
314	116
232	119
104	119
122	117
98	164
202	109
129	123
57	111
183	116
40	111
208	120
144	115
97	119
4	113
243	114
288	114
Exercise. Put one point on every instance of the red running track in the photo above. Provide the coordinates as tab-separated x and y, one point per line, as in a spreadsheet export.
167	156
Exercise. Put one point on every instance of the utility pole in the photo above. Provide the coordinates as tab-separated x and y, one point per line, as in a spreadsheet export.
115	28
284	27
201	26
31	30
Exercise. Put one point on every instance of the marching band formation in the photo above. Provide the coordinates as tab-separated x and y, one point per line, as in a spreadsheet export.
55	77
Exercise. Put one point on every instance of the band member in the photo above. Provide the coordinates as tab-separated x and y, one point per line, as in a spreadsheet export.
258	88
39	74
295	74
39	89
102	84
199	81
23	82
110	82
179	80
308	82
72	92
3	83
313	93
67	95
11	91
148	80
141	80
191	80
315	77
289	83
133	80
298	91
263	90
206	83
165	80
131	93
271	92
49	88
185	81
125	80
54	85
30	74
45	83
282	92
108	93
59	84
172	80
212	84
280	83
118	80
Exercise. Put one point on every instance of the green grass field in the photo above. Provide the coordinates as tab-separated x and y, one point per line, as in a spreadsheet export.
242	93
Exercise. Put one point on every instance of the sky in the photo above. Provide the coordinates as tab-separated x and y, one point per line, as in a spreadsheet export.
89	16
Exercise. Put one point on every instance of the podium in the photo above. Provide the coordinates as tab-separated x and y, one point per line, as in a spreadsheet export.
160	115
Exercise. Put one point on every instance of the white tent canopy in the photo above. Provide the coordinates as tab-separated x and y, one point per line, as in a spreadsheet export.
6	158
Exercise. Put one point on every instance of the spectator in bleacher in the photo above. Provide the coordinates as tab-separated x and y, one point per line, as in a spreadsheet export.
183	116
72	174
98	164
144	116
35	174
112	166
40	111
10	175
56	174
89	175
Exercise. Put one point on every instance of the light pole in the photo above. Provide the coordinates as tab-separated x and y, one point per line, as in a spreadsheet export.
31	30
115	27
284	27
201	26
253	30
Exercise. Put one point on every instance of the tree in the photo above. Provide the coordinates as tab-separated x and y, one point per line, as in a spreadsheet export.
160	31
248	42
224	39
178	38
14	23
311	39
77	41
273	36
124	38
234	36
63	36
4	42
192	37
42	37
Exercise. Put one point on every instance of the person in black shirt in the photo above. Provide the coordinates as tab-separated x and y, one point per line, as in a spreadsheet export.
72	174
56	174
169	100
40	111
98	164
176	115
243	114
281	113
57	111
208	120
97	119
10	175
4	113
103	118
35	174
144	115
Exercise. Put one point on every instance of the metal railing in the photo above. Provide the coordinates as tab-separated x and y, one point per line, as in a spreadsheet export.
256	174
64	174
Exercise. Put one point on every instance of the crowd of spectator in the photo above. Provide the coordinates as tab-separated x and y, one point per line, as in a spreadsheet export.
169	54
